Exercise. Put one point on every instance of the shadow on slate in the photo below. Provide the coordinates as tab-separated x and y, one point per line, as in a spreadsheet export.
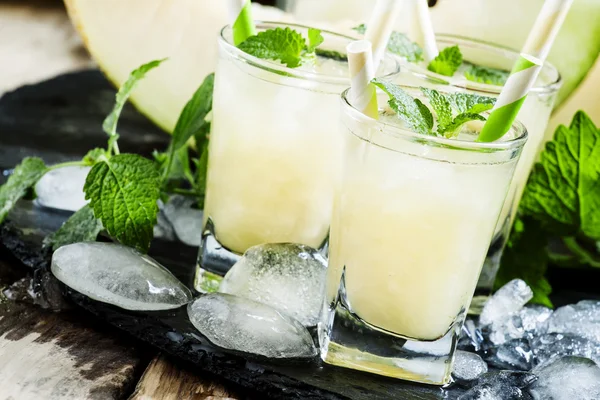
61	120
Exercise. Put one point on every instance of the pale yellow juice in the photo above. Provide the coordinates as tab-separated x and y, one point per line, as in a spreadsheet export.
412	224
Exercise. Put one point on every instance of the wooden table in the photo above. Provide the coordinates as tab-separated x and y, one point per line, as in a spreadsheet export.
45	355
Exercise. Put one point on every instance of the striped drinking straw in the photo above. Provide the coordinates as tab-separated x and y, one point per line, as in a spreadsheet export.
380	27
240	12
362	92
526	70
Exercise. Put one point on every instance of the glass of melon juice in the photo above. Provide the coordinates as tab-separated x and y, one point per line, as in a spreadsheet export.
274	150
534	114
412	221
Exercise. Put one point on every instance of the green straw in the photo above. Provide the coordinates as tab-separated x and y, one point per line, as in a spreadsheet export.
243	27
511	99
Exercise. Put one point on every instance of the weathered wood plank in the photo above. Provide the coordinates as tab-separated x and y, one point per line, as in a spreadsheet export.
53	356
163	380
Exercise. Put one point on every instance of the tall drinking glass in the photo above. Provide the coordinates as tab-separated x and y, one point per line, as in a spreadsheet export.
535	115
412	221
274	151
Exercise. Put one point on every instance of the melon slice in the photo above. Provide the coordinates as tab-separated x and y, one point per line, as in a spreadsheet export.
124	34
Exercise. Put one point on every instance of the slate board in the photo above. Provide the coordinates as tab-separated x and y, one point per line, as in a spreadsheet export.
60	120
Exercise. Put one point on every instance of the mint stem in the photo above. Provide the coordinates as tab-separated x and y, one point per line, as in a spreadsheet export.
584	256
67	164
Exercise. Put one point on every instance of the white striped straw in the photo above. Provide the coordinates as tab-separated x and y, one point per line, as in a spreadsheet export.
526	70
380	27
362	92
546	28
425	33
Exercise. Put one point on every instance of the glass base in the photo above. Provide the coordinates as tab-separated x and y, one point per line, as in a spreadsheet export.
347	341
214	260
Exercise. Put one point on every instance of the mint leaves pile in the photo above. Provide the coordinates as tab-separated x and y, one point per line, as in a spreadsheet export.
452	110
559	215
124	189
285	45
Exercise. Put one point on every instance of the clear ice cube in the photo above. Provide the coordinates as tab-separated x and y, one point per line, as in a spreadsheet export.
495	392
556	345
240	324
509	299
288	277
118	275
62	188
515	354
163	228
185	220
468	367
471	338
534	318
581	319
508	378
567	378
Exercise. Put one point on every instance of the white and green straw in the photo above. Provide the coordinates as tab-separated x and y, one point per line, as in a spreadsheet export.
243	24
526	70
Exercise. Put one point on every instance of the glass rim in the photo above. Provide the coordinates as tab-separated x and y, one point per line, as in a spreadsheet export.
453	144
280	69
550	88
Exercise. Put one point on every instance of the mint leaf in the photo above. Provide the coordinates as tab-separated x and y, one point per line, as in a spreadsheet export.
488	75
285	45
123	192
200	179
471	103
82	226
362	29
447	62
332	55
441	105
110	123
563	191
24	177
401	45
412	111
93	156
452	129
525	257
193	114
315	39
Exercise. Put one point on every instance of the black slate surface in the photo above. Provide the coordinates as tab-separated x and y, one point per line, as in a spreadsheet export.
60	120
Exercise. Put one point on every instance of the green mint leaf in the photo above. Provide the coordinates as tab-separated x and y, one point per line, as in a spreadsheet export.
123	192
525	257
315	39
563	191
285	45
82	226
452	129
93	156
362	29
470	103
412	111
447	62
195	111
201	169
24	177
110	123
401	45
441	105
488	75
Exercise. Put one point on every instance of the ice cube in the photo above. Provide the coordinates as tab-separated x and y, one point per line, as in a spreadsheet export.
471	338
517	379
467	367
556	345
534	318
118	275
490	392
581	319
288	277
514	354
185	220
163	228
509	299
505	329
567	378
239	324
62	188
